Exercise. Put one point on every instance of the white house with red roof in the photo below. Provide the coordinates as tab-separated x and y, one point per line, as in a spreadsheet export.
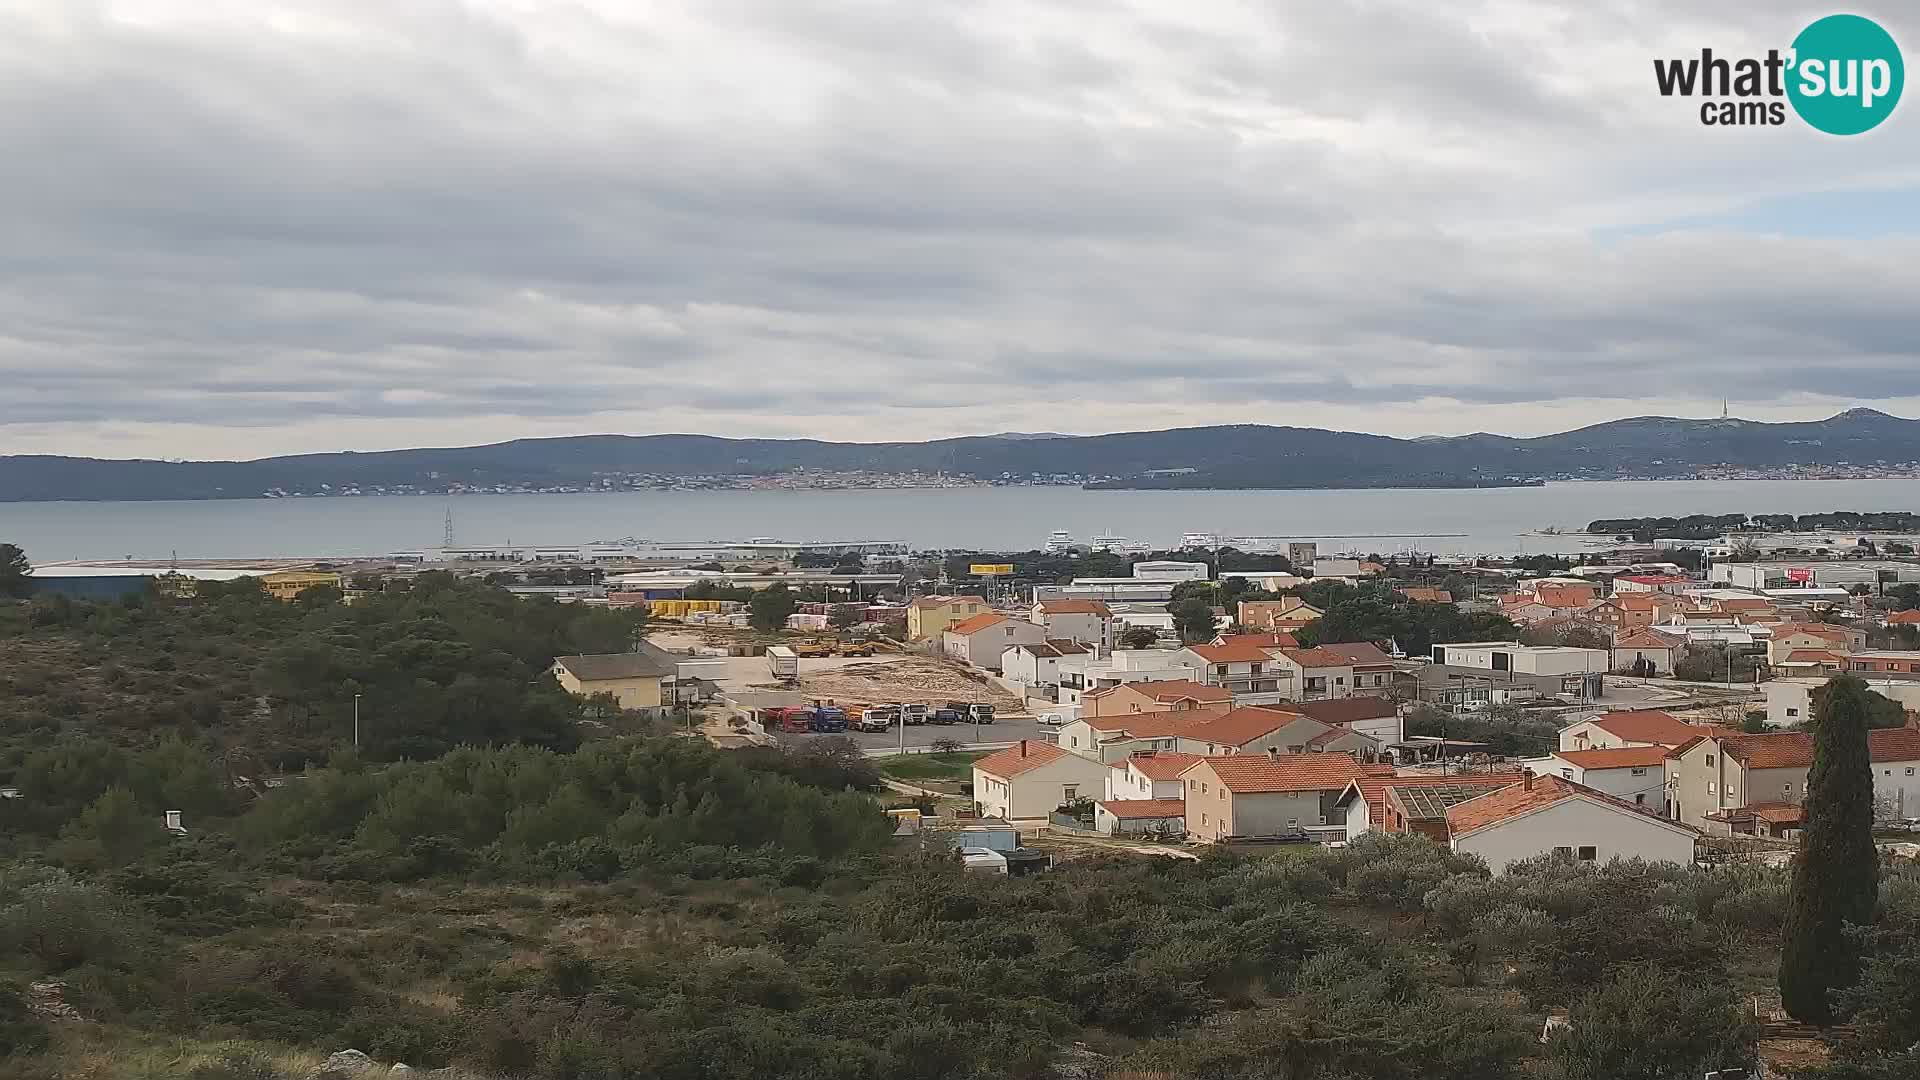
1038	664
1645	727
1257	795
1637	774
1141	817
1149	774
1643	651
1240	666
1031	779
1553	815
983	639
1332	671
1089	622
1366	805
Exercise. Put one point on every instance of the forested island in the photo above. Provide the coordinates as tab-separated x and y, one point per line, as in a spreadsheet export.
1713	526
507	883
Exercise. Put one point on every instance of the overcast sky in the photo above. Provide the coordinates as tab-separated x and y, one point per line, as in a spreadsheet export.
231	228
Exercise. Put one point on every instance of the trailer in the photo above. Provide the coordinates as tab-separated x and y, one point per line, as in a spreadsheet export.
783	663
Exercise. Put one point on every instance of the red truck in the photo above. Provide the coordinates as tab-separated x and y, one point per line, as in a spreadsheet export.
790	718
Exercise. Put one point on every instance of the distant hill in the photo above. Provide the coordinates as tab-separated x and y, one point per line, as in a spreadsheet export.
1235	456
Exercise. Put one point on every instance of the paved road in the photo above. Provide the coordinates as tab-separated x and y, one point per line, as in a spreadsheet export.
920	736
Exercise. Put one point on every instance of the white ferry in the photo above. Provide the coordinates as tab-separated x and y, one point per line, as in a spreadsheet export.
1058	542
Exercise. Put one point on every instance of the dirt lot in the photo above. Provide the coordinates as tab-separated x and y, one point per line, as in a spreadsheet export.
907	679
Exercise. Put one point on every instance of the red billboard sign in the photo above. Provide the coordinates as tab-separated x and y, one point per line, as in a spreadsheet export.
1799	573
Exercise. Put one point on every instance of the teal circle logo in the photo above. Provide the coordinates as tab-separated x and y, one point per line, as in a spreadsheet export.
1845	75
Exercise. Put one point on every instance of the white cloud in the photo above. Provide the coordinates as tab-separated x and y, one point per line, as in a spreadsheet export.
238	228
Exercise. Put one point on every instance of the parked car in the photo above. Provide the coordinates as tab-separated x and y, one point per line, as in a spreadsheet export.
1051	719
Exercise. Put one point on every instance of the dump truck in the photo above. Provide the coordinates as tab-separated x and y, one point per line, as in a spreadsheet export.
789	718
972	712
815	648
829	719
857	648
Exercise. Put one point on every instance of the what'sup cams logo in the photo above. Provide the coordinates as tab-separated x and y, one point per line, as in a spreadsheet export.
1843	76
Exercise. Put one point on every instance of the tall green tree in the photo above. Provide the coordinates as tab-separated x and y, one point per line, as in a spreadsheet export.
1837	872
770	607
15	572
1193	619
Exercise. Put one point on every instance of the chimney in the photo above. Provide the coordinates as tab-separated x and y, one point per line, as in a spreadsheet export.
1526	779
1023	748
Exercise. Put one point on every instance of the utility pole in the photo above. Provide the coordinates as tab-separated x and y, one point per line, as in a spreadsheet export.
356	723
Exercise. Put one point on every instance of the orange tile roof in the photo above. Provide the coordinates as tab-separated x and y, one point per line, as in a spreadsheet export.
1241	726
1633	601
1257	774
1177	689
976	624
1024	756
1903	618
1145	808
1514	800
1234	652
1757	603
1147	725
1359	654
1794	749
1374	788
1565	596
1820	630
1625	757
1428	596
1814	656
1649	726
1263	641
1160	764
1346	710
1642	639
1075	607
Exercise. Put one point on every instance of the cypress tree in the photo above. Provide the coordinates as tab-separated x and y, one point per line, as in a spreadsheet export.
1836	873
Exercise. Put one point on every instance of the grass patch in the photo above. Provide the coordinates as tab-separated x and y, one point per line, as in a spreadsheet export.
912	767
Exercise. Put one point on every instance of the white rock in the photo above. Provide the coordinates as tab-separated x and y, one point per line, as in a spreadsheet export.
348	1063
400	1068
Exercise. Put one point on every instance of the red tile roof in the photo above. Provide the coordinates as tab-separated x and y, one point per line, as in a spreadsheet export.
976	624
1161	764
1903	618
1239	727
1263	641
1346	710
1514	800
1642	639
1794	749
1625	757
1256	774
1075	607
1358	654
1147	725
1814	656
1145	808
1632	601
1649	726
1428	596
1234	652
1024	756
1654	579
1170	690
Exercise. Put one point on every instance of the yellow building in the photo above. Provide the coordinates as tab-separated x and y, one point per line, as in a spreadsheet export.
930	616
637	680
288	584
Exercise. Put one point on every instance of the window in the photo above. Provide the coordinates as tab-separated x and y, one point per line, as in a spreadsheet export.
1909	771
1568	773
1073	740
1566	851
1709	761
1640	799
1219	669
1203	819
1223	794
1711	790
1793	712
1339	680
1639	772
1069	792
1203	789
1589	854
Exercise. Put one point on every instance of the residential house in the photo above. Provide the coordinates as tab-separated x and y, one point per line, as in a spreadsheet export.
1637	774
1378	718
1423	595
1255	730
1643	652
1523	610
1365	808
1810	664
1110	739
1161	695
1900	618
928	617
1333	671
1141	817
1671	584
1717	773
1885	664
1038	665
1550	669
1645	727
1031	779
1082	675
1256	795
1149	774
1553	815
1087	621
982	640
1289	613
1271	639
1644	609
1790	697
1789	638
1603	616
1245	668
634	679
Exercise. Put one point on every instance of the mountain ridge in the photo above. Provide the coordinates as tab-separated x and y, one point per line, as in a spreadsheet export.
1223	456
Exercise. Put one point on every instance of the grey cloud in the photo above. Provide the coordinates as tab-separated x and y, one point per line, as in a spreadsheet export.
743	213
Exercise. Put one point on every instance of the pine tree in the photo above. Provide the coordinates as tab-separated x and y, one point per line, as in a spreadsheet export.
1836	874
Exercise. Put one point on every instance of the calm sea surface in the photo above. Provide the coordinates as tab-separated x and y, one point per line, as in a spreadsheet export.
1495	520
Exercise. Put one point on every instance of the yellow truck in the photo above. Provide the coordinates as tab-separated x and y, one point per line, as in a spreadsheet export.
857	648
815	648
